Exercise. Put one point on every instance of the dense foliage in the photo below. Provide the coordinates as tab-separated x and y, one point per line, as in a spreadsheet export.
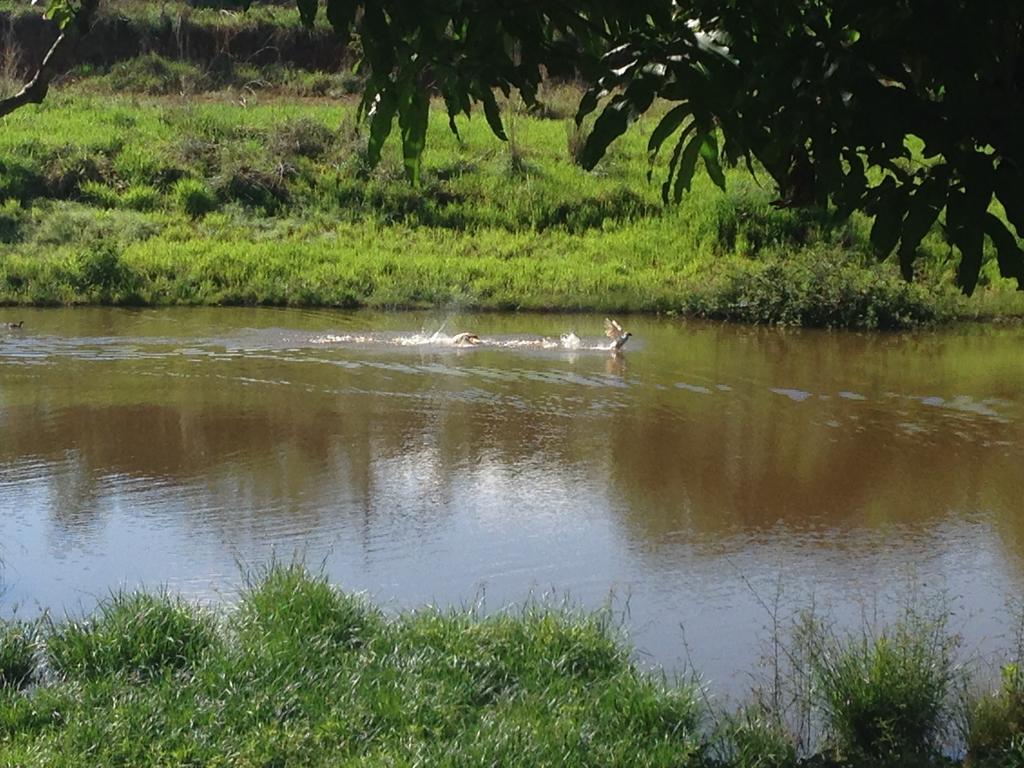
832	98
902	110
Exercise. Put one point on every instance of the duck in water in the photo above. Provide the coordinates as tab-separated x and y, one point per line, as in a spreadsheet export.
465	339
14	326
614	332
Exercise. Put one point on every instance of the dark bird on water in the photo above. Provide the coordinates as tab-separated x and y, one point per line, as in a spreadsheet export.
14	326
614	332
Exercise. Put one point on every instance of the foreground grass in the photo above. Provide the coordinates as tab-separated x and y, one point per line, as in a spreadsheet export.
301	674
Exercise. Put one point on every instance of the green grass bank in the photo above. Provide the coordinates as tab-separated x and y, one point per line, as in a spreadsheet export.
299	673
228	179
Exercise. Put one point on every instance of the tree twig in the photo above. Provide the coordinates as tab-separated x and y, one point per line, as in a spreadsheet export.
35	90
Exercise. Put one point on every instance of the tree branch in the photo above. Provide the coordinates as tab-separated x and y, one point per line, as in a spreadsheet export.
35	90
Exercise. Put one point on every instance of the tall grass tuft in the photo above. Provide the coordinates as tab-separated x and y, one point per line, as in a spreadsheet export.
133	634
17	653
885	698
194	197
995	723
994	732
103	273
288	607
754	738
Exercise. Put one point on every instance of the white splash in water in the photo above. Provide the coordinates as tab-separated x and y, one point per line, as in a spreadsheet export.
567	341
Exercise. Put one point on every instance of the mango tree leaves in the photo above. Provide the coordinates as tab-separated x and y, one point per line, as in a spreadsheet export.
464	50
307	11
837	100
60	11
1009	253
413	109
829	97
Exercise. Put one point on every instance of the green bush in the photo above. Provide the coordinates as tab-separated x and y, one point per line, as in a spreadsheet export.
885	698
17	653
140	198
287	606
301	137
20	181
99	194
818	287
102	272
153	74
12	221
753	738
995	724
135	633
193	197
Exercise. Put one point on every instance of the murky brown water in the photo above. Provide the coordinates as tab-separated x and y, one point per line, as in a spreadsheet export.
690	478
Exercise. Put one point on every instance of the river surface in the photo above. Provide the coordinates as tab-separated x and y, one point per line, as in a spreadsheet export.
707	479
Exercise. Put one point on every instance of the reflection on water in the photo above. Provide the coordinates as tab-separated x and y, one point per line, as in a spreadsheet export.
689	477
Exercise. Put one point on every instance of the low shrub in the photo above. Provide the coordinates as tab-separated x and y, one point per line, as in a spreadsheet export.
302	137
99	194
102	272
253	186
885	699
754	738
135	633
995	723
155	75
140	198
817	287
193	197
287	605
17	653
67	171
12	221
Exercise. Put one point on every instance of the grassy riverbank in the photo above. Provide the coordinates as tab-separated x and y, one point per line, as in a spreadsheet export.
217	180
301	674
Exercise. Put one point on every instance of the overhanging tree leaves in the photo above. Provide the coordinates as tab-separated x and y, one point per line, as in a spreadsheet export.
833	98
836	99
465	49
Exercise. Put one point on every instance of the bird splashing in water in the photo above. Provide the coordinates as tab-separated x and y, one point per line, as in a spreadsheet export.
614	332
465	339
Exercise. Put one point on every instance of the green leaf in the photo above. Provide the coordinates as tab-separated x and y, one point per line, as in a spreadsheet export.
1008	252
849	196
307	11
926	201
674	162
376	40
451	106
709	153
687	165
492	113
340	15
890	207
672	120
1009	188
381	115
965	228
589	103
61	12
610	124
413	114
